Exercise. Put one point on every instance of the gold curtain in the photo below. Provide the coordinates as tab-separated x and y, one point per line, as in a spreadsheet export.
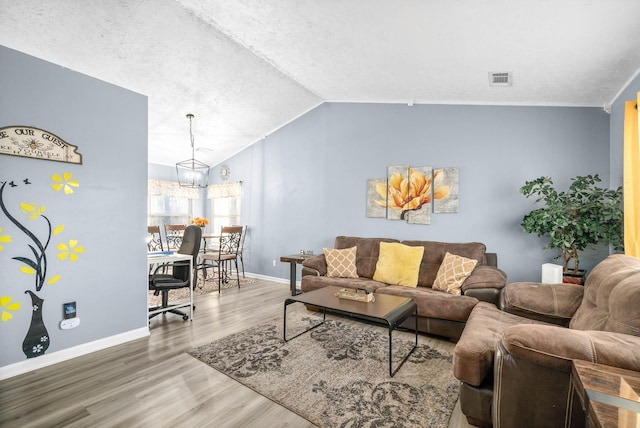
631	179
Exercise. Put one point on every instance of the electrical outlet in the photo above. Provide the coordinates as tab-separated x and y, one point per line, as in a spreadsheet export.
274	263
69	323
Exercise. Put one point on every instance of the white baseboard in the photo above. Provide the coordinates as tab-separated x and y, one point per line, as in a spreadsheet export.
98	345
66	354
269	278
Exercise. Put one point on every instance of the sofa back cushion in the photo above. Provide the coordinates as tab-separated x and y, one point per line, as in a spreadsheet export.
434	254
366	254
611	297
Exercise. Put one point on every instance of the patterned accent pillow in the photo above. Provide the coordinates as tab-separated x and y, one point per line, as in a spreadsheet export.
398	264
453	271
341	263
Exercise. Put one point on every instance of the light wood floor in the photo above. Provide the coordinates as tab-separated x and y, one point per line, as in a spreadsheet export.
153	382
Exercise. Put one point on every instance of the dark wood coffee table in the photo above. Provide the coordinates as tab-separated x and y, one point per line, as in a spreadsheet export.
386	309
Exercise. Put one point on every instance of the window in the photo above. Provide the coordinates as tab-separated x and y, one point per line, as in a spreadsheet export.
225	205
168	210
168	203
225	212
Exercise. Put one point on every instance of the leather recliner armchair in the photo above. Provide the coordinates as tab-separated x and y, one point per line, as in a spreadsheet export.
514	363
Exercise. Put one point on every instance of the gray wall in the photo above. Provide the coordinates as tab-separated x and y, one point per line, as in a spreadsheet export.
106	214
306	183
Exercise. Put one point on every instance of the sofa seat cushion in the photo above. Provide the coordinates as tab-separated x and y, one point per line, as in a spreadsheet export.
545	302
312	282
473	354
433	303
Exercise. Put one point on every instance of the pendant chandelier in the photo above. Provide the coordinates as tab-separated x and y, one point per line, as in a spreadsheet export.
192	172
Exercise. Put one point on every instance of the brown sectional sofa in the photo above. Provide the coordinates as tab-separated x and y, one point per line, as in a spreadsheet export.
439	313
514	363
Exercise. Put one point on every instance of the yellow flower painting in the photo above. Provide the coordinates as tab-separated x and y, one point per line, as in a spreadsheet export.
407	193
448	203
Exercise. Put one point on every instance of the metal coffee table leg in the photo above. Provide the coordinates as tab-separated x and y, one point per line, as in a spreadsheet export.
284	327
392	326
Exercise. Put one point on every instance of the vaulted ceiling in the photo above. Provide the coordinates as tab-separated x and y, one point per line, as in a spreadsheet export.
244	68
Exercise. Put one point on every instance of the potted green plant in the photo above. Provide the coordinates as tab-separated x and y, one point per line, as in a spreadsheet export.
575	219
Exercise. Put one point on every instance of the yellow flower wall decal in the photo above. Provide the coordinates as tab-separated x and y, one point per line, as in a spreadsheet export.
31	209
70	250
4	239
7	306
54	279
65	182
28	270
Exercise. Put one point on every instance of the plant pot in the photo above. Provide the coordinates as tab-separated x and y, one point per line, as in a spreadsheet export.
571	277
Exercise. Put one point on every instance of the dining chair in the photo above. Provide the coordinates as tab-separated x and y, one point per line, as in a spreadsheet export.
180	276
154	240
173	235
226	253
241	250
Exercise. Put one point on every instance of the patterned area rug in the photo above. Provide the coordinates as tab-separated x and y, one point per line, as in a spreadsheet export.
338	374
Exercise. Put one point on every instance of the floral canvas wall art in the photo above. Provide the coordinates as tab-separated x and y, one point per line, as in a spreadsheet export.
408	192
375	210
446	191
396	191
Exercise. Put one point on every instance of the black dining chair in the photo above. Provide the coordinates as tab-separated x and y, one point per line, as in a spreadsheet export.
162	283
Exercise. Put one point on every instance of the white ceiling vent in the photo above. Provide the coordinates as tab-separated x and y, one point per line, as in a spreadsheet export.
502	78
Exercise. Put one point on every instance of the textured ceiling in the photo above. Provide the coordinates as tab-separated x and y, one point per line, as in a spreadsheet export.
245	68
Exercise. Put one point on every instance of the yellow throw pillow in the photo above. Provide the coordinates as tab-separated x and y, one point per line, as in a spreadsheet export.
398	264
341	263
453	271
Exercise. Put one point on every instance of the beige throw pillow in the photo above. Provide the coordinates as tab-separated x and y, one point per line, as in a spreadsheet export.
341	263
453	271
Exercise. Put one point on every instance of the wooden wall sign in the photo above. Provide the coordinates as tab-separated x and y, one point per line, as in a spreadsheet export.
37	143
